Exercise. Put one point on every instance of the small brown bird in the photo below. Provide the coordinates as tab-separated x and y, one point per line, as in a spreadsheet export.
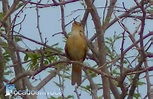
76	50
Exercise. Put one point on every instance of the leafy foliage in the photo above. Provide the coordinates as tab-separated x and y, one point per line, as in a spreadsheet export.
29	58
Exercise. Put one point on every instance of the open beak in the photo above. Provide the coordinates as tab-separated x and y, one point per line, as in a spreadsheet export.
74	21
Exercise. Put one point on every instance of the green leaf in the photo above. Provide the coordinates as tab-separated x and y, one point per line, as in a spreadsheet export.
19	6
70	97
115	71
17	39
87	88
91	73
137	95
6	56
140	83
52	97
109	40
1	15
57	84
25	57
46	62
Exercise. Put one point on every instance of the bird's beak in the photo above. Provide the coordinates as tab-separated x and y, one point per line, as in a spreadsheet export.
74	21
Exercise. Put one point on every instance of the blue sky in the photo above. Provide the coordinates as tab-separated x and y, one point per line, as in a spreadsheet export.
50	24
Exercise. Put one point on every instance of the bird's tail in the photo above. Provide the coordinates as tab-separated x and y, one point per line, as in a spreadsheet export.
76	74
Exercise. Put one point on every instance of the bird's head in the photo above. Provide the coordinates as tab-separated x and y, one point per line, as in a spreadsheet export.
77	26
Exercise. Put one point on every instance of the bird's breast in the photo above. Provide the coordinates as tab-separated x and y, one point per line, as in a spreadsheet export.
76	47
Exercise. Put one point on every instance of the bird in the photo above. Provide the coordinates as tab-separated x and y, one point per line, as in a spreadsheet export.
76	50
